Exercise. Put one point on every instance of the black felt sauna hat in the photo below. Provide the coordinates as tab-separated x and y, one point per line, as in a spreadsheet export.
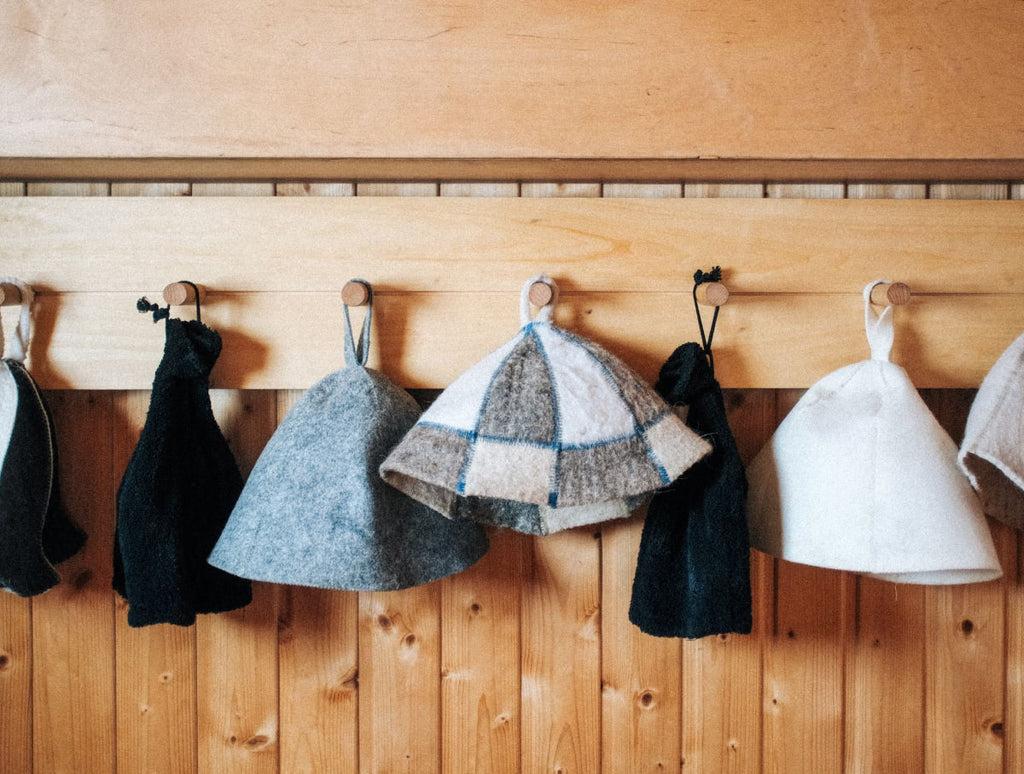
314	512
35	533
178	490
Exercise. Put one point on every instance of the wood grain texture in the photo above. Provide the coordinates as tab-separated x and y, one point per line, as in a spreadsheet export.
304	243
494	76
237	654
965	657
156	676
73	715
561	653
886	649
722	676
15	652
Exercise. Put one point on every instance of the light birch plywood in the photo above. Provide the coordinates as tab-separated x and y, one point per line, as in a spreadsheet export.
253	242
500	80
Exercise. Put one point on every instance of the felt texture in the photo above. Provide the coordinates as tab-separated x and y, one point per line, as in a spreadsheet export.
35	533
992	452
860	476
693	568
314	511
177	492
548	432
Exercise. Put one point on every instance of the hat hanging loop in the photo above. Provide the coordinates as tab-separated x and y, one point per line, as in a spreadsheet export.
175	294
878	326
699	278
358	352
23	331
545	311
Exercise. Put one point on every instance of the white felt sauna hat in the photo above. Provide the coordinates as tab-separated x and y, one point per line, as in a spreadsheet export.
992	454
861	477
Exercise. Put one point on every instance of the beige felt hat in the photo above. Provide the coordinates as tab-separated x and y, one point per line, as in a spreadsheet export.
861	477
992	454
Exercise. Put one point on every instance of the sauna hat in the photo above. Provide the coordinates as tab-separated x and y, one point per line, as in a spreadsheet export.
314	512
548	432
861	477
992	453
35	533
178	489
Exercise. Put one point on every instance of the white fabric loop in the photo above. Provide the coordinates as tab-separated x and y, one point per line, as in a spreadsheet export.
23	332
544	313
878	327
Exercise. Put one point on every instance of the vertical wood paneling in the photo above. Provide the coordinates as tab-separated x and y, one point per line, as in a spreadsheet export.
803	666
236	664
640	675
400	649
722	676
1013	742
965	664
561	609
73	715
156	679
156	689
15	655
73	624
803	688
887	647
236	669
480	624
318	636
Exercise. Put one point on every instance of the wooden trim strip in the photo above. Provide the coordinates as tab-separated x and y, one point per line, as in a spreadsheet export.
725	170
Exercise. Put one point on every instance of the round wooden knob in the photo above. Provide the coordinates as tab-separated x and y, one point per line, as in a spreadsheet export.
712	294
890	293
10	295
541	294
355	293
181	293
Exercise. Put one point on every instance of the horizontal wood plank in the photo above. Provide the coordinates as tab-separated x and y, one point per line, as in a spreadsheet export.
290	340
481	244
489	79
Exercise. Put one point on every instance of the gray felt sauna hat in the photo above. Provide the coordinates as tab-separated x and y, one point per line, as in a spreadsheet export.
548	432
314	512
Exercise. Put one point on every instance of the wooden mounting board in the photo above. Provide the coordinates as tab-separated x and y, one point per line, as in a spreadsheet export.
448	272
842	88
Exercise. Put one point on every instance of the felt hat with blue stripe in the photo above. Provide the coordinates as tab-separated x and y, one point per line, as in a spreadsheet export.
548	432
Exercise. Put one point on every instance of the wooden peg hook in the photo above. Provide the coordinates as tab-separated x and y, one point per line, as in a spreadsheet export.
10	295
712	294
355	293
181	293
540	294
894	293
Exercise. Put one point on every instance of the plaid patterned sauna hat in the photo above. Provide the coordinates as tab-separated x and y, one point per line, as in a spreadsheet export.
314	512
548	432
860	476
992	453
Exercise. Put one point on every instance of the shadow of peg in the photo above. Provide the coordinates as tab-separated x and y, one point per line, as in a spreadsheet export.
181	293
541	293
890	294
10	295
712	294
355	293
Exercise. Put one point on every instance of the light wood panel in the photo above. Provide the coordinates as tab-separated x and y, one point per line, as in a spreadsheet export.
290	243
512	81
290	340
